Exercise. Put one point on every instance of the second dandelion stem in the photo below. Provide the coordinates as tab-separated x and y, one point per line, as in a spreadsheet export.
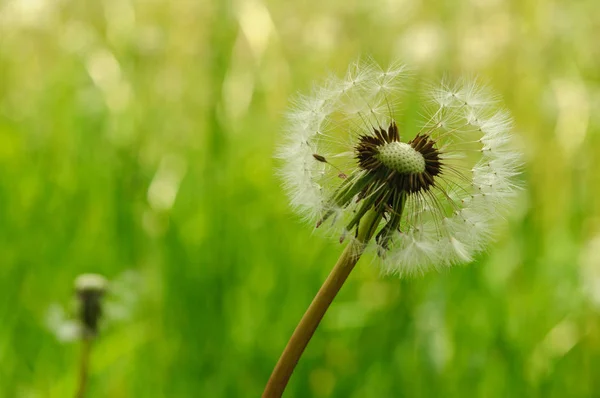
86	346
315	312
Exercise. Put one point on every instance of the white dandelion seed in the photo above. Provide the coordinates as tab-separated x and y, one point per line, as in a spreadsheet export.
438	190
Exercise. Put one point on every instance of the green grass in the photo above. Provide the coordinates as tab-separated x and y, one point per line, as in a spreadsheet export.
95	96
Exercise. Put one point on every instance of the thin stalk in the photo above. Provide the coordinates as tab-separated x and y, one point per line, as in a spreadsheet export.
84	364
315	312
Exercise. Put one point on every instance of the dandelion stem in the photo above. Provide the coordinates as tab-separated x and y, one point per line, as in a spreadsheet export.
315	312
86	347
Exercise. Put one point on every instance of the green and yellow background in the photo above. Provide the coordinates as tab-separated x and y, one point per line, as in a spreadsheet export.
138	135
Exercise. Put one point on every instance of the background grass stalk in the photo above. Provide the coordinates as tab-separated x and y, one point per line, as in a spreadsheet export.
84	364
315	312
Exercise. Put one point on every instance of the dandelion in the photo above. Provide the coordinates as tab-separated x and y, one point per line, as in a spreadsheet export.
90	288
420	197
96	301
98	304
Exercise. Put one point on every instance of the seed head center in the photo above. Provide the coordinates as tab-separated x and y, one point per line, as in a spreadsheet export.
401	157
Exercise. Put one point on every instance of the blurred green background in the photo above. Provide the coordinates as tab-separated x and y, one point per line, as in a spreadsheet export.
139	135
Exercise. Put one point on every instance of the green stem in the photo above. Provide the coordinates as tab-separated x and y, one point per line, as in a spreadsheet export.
86	347
315	312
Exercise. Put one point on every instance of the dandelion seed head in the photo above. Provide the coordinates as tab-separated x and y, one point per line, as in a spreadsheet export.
439	187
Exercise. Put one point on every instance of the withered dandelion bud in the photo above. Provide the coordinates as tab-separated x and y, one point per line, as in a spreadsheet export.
90	289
